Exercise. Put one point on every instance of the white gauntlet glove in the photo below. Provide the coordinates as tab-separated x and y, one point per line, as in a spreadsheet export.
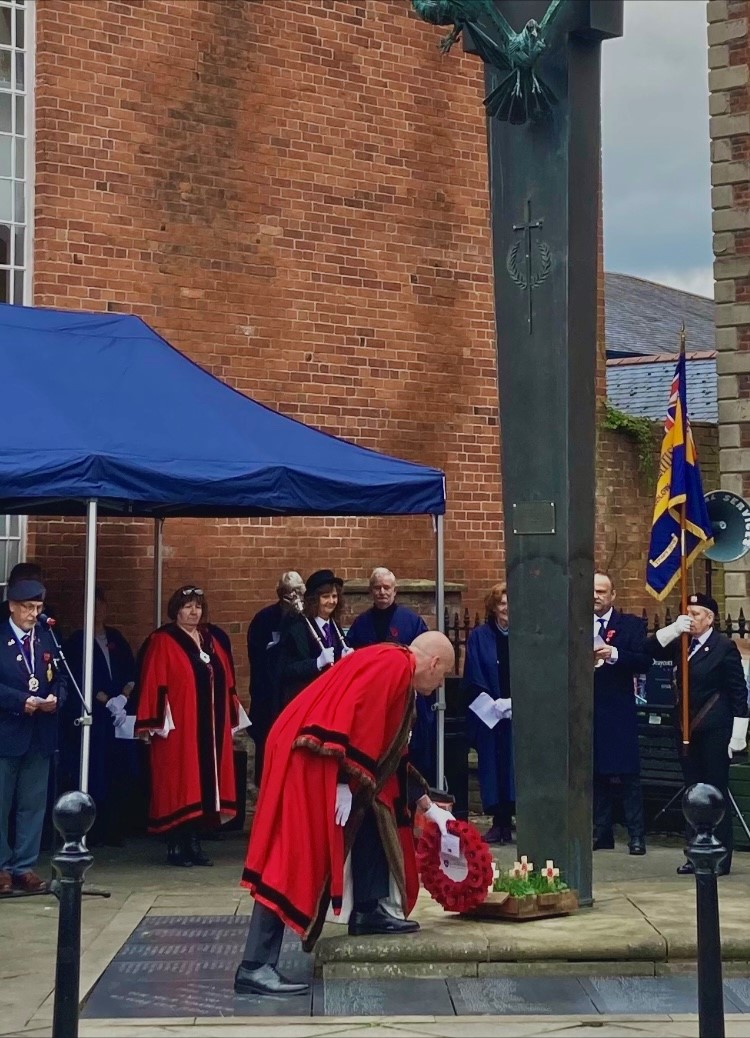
667	635
347	649
325	659
440	817
343	803
503	709
738	742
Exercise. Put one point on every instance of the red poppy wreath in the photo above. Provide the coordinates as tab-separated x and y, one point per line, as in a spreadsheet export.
452	893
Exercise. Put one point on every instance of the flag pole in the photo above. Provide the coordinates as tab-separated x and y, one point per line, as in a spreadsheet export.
683	586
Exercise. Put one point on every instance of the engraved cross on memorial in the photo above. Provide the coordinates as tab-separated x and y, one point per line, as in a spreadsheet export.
542	76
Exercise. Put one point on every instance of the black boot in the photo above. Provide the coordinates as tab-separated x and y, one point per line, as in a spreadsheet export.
194	851
176	853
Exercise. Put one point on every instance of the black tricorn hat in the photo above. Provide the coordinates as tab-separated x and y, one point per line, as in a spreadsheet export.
706	601
319	579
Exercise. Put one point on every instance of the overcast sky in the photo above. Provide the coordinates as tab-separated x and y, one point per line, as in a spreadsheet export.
657	201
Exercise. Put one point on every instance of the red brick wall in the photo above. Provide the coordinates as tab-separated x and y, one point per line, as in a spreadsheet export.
295	195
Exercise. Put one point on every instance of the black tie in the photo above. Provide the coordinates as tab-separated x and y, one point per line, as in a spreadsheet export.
26	646
602	625
694	643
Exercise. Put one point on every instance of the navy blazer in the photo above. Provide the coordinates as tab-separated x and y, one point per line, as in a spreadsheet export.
716	681
17	728
615	717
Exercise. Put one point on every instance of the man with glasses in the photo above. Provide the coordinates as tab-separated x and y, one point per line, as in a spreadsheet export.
31	690
262	638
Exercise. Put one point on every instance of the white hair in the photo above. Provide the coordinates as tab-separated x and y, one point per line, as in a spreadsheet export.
381	573
290	581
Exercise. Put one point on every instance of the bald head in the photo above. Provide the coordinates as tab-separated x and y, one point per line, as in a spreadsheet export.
435	658
290	589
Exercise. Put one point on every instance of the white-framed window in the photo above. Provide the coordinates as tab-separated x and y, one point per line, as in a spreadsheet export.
16	149
17	41
11	546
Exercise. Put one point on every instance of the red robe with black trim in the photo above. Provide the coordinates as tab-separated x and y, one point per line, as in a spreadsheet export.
192	769
356	719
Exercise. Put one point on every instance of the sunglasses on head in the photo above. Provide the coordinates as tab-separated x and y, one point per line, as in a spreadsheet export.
191	591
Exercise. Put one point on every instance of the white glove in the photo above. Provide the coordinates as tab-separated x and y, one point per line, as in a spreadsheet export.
440	817
343	803
347	651
325	659
667	635
118	720
503	709
116	704
738	742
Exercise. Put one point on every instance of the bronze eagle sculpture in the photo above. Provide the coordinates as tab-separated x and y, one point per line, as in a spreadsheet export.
521	94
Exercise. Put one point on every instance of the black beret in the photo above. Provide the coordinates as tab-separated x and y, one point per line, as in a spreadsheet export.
319	579
706	601
26	591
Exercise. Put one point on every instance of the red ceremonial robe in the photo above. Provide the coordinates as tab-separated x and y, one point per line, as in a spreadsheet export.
355	719
192	770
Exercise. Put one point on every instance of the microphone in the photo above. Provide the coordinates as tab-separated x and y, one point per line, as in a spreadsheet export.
46	621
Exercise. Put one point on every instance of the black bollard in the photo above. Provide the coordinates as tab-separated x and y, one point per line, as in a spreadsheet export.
703	807
73	815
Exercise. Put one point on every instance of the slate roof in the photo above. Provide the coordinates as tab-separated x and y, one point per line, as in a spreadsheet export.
639	386
645	318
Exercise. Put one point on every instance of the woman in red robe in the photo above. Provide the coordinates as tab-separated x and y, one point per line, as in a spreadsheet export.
187	708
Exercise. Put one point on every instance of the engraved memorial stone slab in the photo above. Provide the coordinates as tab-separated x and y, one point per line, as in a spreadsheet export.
536	996
645	994
385	998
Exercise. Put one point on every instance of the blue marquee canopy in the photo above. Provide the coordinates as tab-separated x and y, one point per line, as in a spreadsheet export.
98	406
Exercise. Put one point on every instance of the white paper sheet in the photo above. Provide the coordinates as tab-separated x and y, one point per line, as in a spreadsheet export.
126	730
168	725
484	707
244	721
599	643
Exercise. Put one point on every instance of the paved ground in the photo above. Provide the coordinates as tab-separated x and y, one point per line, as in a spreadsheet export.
643	922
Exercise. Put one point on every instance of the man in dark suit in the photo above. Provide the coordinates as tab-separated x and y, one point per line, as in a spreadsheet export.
30	692
717	694
263	635
619	655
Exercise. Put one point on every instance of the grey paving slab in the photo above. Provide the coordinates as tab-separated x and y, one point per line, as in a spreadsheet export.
678	994
382	997
520	995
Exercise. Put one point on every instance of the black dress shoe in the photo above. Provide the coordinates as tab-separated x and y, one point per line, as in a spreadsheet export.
604	845
379	921
194	852
176	855
637	847
265	980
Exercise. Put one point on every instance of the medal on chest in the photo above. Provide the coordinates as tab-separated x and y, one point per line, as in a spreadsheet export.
28	662
205	658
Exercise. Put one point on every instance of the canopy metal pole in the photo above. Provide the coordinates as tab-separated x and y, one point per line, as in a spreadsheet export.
440	625
88	642
158	560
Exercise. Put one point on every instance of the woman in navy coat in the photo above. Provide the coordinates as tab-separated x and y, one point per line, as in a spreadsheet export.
487	669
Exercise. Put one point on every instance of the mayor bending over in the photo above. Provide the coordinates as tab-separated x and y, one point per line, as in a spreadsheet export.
335	803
